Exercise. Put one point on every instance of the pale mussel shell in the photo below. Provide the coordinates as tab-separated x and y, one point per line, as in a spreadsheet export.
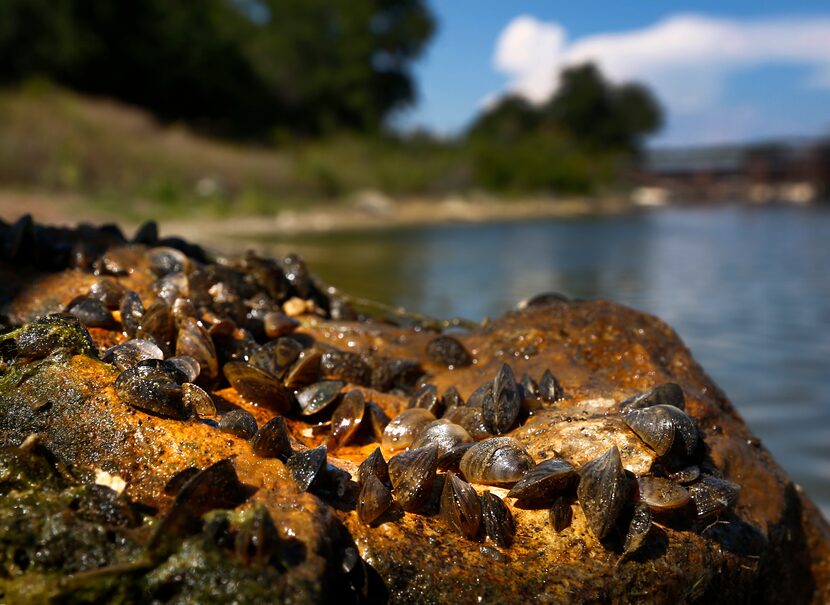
661	494
603	492
259	387
194	340
412	475
543	482
498	520
460	507
198	400
443	433
404	428
347	418
496	461
130	352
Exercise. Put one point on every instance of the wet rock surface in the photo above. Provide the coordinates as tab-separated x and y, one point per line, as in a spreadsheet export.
150	505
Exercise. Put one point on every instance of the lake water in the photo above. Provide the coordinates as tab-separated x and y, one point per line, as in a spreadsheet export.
748	290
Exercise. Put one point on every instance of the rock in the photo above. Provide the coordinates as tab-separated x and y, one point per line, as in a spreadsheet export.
770	545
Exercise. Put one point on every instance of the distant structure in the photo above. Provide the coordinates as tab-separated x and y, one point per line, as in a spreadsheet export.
796	171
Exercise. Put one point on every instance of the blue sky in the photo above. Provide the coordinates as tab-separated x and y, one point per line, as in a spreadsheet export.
731	70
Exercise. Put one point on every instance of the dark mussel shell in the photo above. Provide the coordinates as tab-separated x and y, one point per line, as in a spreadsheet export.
188	366
375	499
388	374
375	465
661	494
147	233
404	428
108	291
238	423
544	481
460	507
412	474
305	370
197	399
550	391
171	288
92	312
153	387
501	411
307	466
427	397
176	482
543	300
194	340
480	395
443	433
258	386
498	520
560	514
451	460
272	440
711	495
452	398
157	323
45	334
164	261
685	475
663	394
318	396
448	351
666	429
496	461
346	366
378	420
638	529
131	311
603	492
469	418
130	352
347	418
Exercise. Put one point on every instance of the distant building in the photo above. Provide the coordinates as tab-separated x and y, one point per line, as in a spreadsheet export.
790	171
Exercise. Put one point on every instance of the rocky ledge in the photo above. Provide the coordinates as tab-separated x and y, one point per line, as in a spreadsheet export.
181	428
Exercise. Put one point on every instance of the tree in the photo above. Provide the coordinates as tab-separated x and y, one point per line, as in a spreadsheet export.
238	66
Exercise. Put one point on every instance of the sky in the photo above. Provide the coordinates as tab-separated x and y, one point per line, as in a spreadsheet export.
724	71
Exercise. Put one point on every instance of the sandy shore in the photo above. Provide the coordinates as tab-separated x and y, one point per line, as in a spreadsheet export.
367	212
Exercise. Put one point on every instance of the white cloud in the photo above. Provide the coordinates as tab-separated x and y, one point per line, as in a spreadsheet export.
686	59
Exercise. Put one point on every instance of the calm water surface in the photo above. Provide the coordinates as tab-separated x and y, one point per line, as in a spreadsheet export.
748	290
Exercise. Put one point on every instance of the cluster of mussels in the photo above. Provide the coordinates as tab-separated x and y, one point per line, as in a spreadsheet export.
234	320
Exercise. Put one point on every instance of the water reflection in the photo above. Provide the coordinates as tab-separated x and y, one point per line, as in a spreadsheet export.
746	288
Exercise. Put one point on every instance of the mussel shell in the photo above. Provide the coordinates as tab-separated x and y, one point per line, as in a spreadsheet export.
278	324
378	420
638	529
258	386
305	370
469	418
560	514
711	495
477	398
661	494
307	466
171	287
347	418
158	323
404	428
501	411
57	331
665	428
375	499
257	542
496	461
182	310
91	312
603	492
427	397
451	460
164	260
543	300
272	440
131	311
108	291
452	398
663	394
130	352
412	475
346	366
318	396
443	433
448	351
177	481
685	475
550	391
194	340
544	481
460	507
151	386
197	399
186	365
239	423
498	520
375	465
